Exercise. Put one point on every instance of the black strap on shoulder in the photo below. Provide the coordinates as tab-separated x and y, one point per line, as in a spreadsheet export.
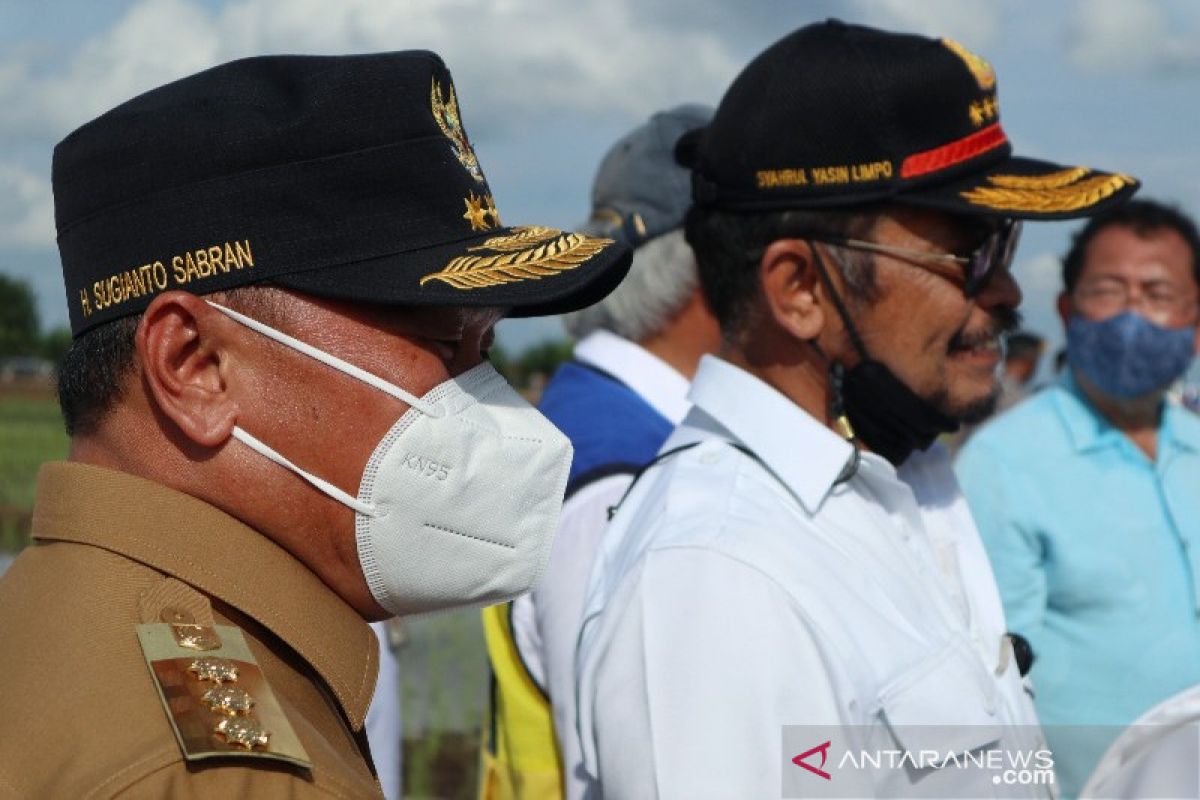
675	451
600	473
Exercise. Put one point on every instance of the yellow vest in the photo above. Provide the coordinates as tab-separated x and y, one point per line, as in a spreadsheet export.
520	758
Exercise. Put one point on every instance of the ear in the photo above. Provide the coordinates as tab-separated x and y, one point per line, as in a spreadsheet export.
183	354
1065	310
790	286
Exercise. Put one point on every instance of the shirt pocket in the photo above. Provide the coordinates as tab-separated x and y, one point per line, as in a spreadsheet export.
946	705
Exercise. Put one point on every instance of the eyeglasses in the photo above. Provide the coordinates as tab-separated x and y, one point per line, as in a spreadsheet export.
994	254
1107	298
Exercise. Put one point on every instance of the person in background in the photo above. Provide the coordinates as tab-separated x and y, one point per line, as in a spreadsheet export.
1086	494
1023	350
617	401
785	562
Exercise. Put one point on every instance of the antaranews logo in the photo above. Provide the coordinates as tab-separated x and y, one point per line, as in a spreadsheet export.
823	749
910	761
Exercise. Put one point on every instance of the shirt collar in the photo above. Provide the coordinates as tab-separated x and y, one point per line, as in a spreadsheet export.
1089	429
203	546
1181	426
806	455
656	381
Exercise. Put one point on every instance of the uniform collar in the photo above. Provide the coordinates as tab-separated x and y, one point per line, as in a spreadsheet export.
203	546
1089	429
807	456
654	380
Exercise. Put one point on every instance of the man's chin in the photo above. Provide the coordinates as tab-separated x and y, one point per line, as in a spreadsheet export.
967	412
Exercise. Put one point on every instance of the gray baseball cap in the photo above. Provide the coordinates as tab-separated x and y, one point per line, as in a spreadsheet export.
640	192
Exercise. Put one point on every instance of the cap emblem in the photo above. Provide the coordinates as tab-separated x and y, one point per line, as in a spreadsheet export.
479	211
1062	191
985	76
445	113
530	252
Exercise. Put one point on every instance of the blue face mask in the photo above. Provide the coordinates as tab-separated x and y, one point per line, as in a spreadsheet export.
1128	355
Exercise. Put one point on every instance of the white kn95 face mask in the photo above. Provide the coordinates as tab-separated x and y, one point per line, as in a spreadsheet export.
459	502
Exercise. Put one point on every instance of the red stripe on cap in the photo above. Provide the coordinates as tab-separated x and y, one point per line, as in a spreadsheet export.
956	152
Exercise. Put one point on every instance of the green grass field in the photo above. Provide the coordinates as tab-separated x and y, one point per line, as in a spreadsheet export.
443	668
31	432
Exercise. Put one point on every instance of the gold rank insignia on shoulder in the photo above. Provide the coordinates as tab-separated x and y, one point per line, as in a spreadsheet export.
530	252
217	700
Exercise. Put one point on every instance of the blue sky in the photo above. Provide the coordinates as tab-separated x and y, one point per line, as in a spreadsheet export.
546	85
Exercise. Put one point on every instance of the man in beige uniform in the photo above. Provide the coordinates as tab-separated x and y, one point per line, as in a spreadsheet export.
283	274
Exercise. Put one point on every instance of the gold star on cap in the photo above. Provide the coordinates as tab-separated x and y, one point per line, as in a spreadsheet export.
489	208
476	213
243	732
217	670
228	700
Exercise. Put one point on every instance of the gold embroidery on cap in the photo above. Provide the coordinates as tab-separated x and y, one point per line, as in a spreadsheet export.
985	76
156	276
445	113
479	210
985	110
531	252
243	732
1051	180
1021	195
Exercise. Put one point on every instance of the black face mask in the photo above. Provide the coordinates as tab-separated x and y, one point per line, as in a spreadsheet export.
889	418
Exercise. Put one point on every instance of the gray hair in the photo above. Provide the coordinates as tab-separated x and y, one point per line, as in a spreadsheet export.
659	283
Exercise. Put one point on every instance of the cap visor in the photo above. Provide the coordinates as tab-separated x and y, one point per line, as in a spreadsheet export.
531	270
1027	189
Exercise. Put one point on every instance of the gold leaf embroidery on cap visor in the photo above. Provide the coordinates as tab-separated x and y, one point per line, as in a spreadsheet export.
1051	180
531	252
1023	193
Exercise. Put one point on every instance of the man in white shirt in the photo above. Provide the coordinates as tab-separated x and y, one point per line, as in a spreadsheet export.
617	401
786	591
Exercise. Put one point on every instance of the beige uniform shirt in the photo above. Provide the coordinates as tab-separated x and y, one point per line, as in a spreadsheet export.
80	711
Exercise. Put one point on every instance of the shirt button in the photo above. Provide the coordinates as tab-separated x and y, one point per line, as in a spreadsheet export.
990	707
710	458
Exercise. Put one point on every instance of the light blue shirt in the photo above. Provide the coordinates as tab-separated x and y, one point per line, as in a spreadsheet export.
1094	547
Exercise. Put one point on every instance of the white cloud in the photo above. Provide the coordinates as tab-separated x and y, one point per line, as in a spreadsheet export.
1112	36
26	208
1040	275
518	64
519	59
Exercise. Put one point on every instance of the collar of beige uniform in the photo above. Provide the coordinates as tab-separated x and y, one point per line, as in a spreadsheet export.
203	546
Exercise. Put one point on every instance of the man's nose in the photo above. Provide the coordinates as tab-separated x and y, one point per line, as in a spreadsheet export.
1000	290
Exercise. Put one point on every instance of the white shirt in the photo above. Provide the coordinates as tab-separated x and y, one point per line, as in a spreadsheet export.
1157	756
731	597
546	621
385	729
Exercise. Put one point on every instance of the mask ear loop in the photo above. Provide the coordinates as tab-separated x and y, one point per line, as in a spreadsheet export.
321	484
837	373
428	409
270	453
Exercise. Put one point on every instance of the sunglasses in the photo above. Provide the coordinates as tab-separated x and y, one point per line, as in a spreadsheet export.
995	253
